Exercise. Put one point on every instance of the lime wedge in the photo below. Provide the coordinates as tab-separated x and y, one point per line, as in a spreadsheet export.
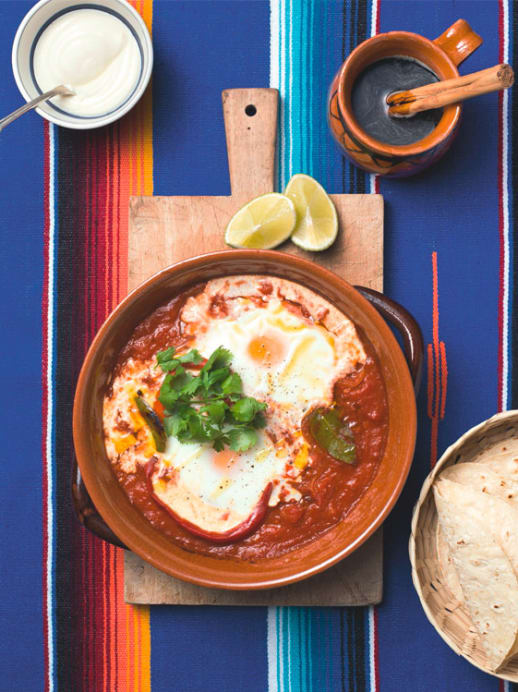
263	223
317	221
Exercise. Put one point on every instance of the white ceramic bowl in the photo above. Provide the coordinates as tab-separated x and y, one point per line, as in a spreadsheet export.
29	31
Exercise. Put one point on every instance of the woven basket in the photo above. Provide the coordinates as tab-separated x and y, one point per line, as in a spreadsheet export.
437	588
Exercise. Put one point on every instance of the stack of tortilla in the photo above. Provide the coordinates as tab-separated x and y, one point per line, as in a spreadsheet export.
477	504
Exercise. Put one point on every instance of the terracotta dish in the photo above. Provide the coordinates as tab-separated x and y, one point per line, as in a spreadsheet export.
442	56
131	527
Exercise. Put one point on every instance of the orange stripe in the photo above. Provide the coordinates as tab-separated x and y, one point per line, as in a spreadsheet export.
435	332
130	171
430	381
146	171
122	641
437	368
114	620
136	648
435	281
133	641
130	644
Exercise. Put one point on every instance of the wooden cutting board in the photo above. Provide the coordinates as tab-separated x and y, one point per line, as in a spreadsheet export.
164	230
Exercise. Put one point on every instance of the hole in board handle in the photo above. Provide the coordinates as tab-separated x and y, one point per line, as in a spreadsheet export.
250	110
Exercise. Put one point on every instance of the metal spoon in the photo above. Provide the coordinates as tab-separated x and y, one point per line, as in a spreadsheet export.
57	91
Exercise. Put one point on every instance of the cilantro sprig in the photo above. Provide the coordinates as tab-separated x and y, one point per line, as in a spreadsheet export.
209	406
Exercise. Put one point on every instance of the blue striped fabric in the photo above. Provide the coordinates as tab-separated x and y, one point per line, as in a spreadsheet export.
462	210
21	279
308	648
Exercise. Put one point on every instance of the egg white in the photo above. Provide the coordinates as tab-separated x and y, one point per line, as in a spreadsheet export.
286	358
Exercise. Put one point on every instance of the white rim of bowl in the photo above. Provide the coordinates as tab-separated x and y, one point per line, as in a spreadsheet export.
95	122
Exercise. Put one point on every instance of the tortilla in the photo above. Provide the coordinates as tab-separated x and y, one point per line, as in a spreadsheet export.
493	476
504	463
449	573
475	525
487	478
501	457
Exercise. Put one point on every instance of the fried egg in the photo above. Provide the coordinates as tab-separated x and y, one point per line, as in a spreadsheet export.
289	346
283	358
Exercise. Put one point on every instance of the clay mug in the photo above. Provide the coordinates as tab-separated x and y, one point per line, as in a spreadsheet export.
442	56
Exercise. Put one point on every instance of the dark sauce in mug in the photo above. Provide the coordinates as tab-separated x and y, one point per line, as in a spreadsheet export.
369	105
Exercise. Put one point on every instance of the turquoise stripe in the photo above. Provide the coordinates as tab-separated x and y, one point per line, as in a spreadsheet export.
315	646
279	653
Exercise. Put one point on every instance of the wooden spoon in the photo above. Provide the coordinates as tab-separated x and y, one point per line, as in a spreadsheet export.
404	104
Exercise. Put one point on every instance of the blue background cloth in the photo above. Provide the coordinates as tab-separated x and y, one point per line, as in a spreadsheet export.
461	209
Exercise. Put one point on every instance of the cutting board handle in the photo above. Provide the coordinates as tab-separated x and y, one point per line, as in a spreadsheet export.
251	130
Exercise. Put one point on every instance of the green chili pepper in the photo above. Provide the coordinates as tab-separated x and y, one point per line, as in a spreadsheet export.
153	422
333	435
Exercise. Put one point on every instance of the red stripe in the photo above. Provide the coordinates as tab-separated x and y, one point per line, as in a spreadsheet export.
89	663
85	548
437	368
110	220
102	196
88	679
45	406
95	303
119	292
90	570
95	307
98	588
107	614
501	306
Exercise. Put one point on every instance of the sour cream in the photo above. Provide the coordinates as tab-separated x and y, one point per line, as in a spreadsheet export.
92	52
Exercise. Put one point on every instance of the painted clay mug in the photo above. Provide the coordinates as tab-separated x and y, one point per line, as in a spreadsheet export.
442	56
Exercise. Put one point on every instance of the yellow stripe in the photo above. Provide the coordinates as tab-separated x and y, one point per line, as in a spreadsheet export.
142	157
145	648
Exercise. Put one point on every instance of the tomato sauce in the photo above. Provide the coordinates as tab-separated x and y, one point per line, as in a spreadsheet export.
329	488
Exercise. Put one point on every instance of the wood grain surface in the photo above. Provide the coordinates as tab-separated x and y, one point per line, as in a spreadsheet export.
357	581
164	230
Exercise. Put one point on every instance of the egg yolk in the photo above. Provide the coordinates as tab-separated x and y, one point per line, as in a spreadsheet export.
265	349
222	460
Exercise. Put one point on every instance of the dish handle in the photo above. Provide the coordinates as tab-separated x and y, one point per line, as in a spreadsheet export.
402	320
86	511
